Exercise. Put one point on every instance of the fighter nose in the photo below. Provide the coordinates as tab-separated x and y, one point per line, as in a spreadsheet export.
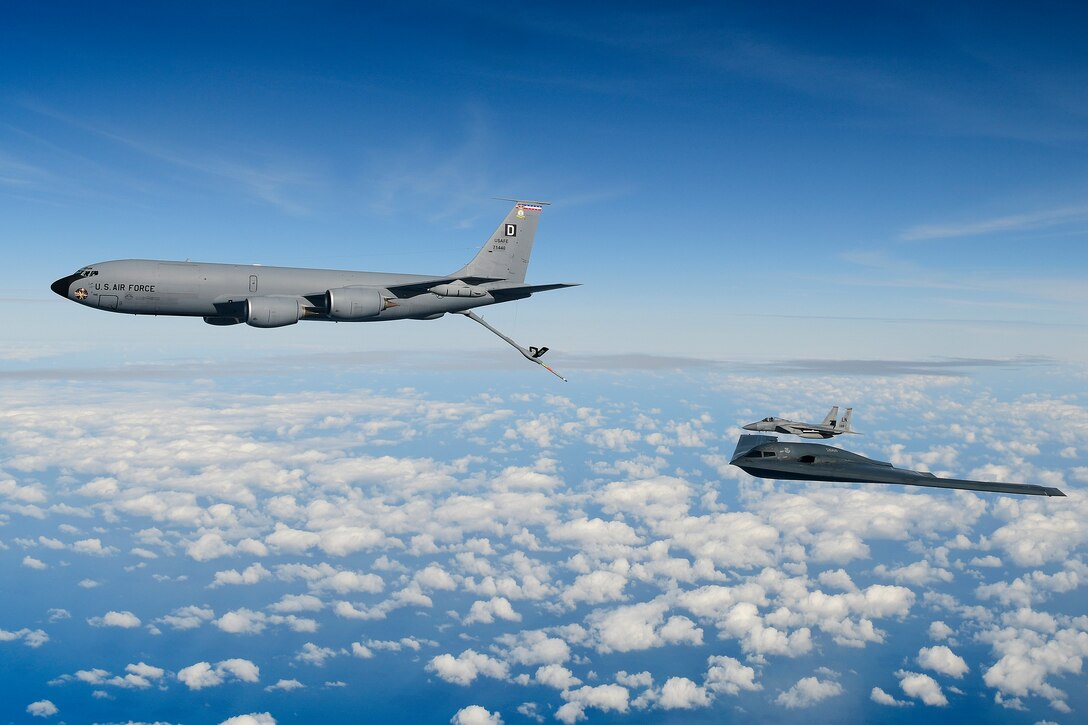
61	286
750	426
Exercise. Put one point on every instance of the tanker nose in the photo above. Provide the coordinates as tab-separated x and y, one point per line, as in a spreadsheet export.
62	285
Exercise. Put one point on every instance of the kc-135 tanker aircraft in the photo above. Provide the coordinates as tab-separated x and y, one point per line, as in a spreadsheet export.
230	294
765	457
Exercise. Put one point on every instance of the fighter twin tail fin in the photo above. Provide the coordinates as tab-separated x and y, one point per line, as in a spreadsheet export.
844	424
829	419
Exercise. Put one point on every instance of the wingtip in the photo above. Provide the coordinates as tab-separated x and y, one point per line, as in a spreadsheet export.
1054	492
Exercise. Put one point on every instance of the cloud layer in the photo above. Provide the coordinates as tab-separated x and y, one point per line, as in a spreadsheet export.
545	545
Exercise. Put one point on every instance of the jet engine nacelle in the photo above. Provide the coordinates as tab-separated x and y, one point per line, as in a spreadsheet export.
272	311
354	303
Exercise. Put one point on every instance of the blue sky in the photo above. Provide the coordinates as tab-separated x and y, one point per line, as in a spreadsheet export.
771	209
916	175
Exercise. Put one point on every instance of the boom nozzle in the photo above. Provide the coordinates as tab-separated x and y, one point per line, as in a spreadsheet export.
531	354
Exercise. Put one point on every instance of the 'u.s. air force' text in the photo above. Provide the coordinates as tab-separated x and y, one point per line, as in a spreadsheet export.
122	287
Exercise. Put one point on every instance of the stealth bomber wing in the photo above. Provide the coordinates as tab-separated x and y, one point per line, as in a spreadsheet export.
766	457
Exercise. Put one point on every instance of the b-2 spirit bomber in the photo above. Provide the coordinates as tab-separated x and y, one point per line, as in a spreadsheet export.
765	456
232	294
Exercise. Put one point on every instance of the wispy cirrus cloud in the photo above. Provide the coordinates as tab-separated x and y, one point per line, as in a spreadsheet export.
266	177
998	225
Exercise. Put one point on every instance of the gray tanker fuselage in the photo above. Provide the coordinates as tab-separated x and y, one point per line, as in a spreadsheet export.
259	296
220	291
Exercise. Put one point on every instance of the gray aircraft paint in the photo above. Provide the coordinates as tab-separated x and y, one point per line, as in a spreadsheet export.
506	256
828	428
766	457
229	294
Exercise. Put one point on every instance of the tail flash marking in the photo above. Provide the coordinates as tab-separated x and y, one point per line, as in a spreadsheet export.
844	424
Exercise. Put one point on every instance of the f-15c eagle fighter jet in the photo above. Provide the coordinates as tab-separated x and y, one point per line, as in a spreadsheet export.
829	427
231	294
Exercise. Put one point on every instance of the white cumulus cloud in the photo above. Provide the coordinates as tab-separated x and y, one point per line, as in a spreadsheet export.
728	676
943	660
880	697
254	718
807	692
486	612
203	674
124	620
475	715
42	708
466	667
680	693
921	687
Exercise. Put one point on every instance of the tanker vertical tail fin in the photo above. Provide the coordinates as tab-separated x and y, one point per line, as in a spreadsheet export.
505	255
